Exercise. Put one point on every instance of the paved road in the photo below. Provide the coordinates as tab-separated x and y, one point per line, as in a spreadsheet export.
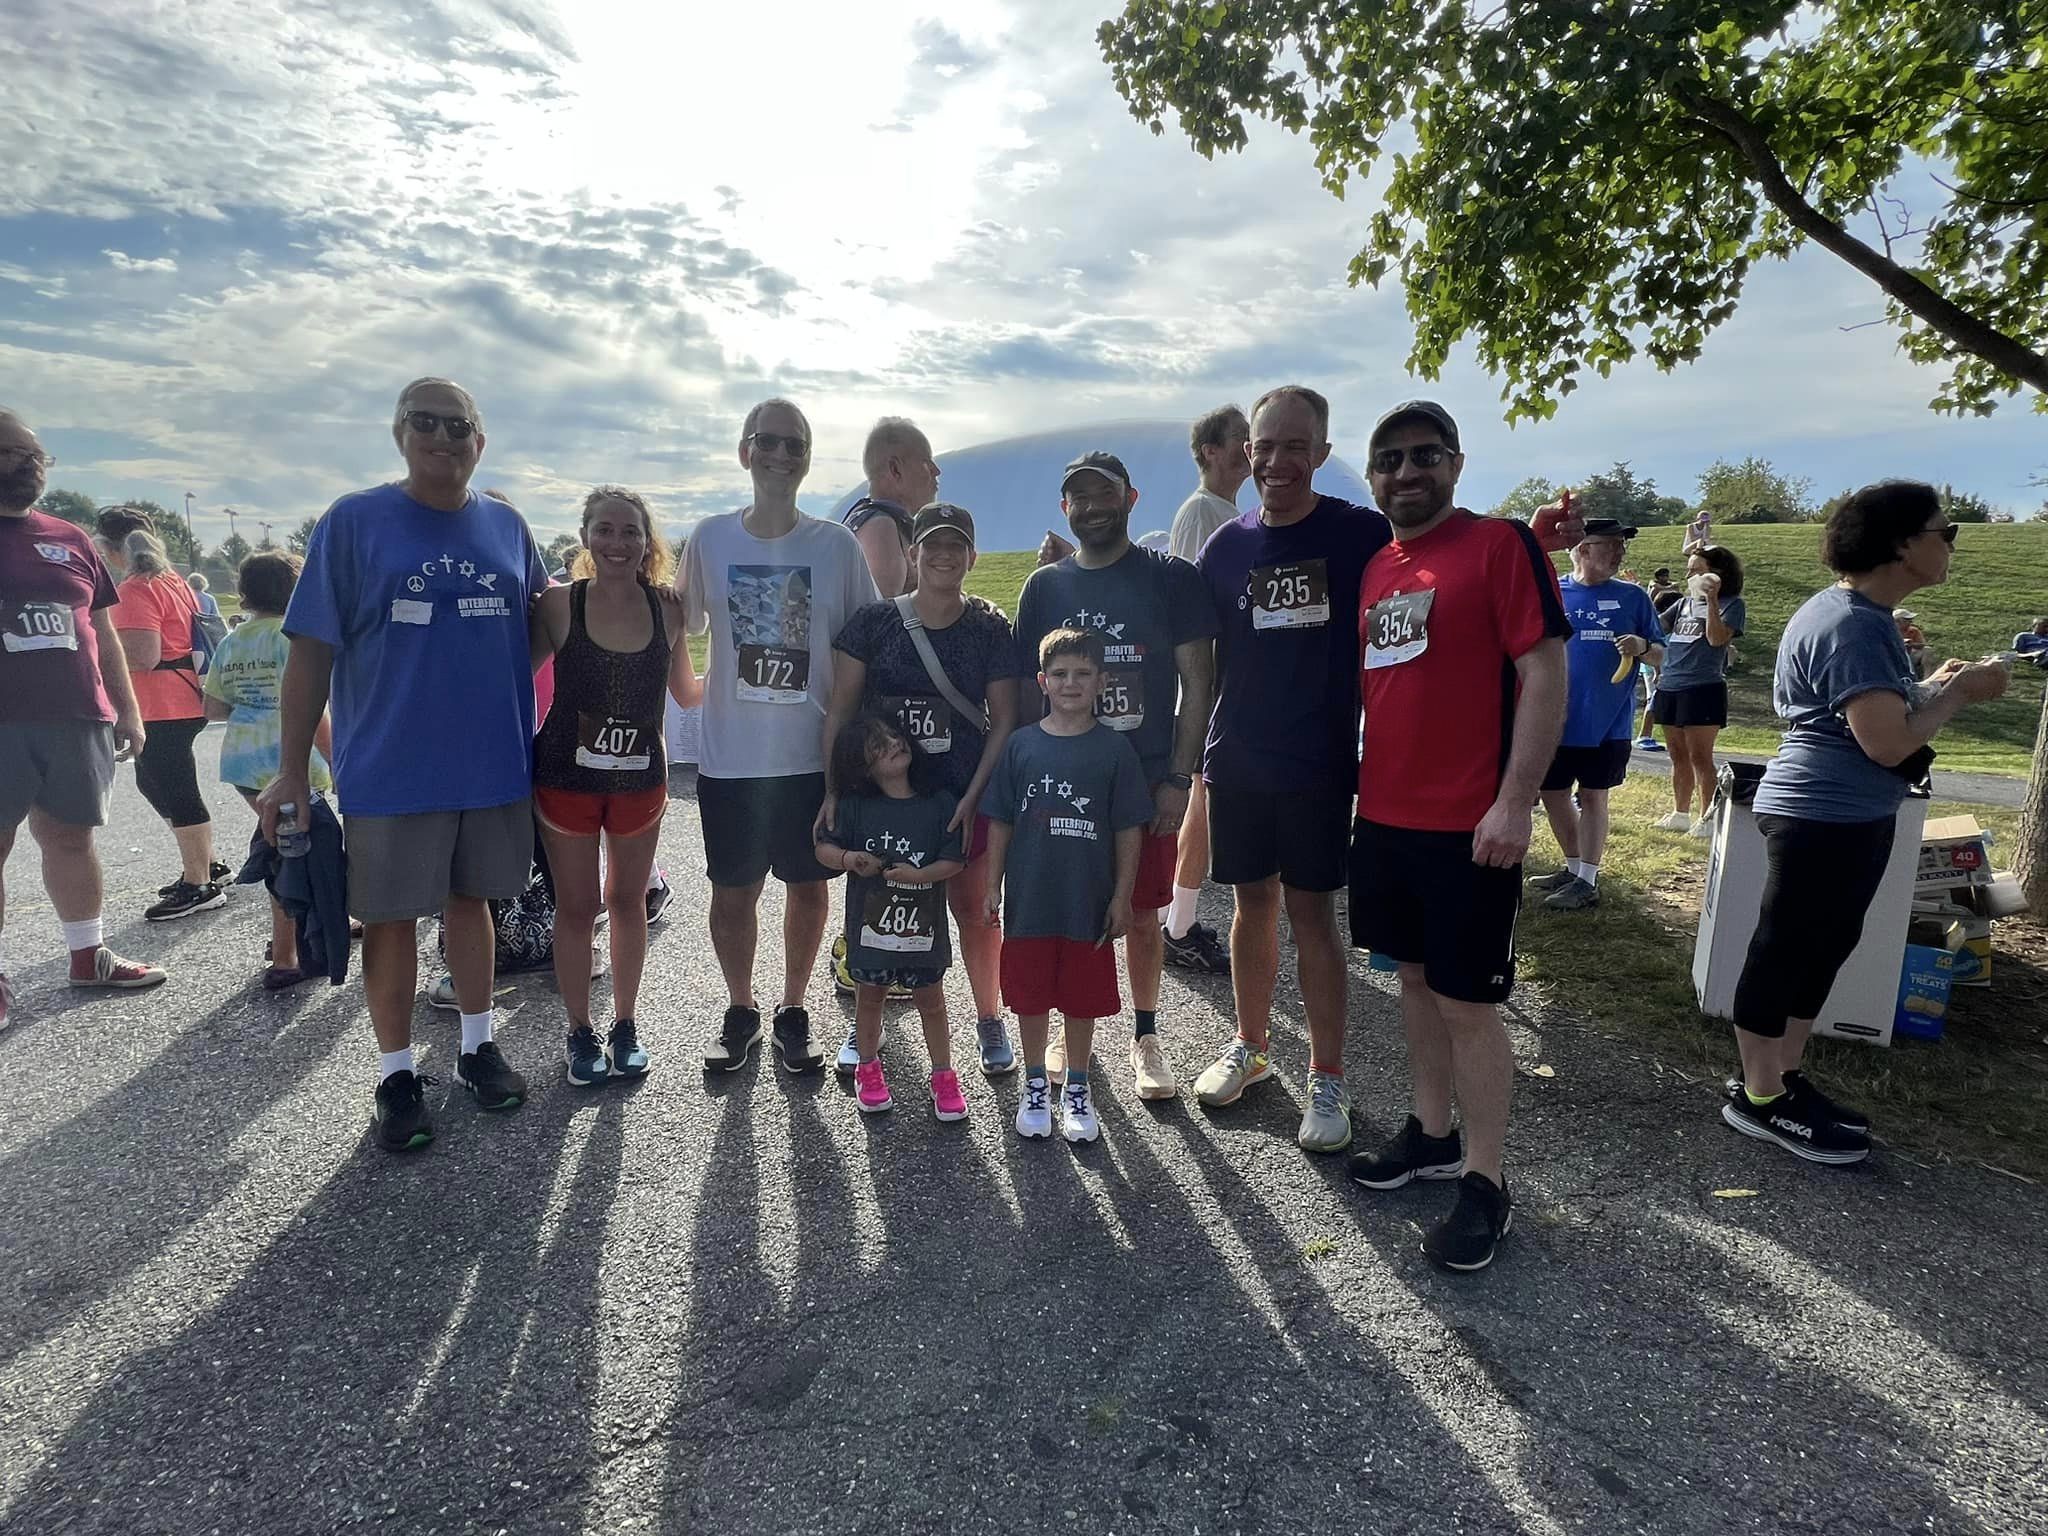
1966	788
740	1306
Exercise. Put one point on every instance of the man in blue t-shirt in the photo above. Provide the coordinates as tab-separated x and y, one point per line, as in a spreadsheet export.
411	614
1614	631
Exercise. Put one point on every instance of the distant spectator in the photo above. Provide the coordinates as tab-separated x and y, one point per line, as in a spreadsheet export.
208	605
2034	642
1916	641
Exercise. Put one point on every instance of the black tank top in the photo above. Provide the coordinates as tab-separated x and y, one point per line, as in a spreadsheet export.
603	734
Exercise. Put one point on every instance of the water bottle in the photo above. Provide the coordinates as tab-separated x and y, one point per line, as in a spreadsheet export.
292	843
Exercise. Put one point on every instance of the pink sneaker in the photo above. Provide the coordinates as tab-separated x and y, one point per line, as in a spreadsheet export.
948	1103
870	1090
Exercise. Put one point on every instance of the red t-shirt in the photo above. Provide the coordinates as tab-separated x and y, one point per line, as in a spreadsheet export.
1441	621
162	604
51	582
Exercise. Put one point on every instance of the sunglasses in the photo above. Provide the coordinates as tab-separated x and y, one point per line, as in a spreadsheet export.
424	423
795	447
1423	456
1946	532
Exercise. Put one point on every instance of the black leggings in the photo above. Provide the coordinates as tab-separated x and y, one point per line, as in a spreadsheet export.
165	773
1822	877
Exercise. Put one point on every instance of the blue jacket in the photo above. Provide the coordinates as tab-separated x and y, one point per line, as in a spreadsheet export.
313	891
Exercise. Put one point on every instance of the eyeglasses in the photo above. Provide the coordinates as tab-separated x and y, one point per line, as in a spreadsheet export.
1946	533
424	423
795	447
29	455
1422	456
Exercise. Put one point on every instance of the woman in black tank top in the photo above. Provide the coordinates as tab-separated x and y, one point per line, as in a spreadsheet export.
599	764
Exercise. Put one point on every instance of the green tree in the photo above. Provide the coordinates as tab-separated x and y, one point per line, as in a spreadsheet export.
1754	492
183	545
1621	494
1522	502
72	506
234	549
561	547
1590	181
302	535
1965	506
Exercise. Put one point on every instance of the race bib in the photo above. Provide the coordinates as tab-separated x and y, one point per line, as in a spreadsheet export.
928	721
1692	622
612	745
40	627
774	674
1397	628
1121	705
903	920
1291	596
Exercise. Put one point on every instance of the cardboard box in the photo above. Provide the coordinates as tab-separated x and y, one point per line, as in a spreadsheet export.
1957	914
1953	852
1925	978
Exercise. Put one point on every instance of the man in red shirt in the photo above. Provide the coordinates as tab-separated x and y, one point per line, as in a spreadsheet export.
1464	609
66	709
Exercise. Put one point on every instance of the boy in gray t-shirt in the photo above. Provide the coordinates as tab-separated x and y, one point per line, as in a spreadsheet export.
1067	807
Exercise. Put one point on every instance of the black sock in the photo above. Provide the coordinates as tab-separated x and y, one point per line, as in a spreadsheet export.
1148	1022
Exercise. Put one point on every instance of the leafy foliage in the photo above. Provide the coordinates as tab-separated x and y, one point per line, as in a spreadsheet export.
1591	181
234	549
72	506
301	536
1754	492
1522	502
1621	494
1966	506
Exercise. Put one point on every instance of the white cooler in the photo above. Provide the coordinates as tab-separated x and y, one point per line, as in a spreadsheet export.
1866	994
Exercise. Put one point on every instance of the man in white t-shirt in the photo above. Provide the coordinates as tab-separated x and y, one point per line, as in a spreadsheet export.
773	586
1217	441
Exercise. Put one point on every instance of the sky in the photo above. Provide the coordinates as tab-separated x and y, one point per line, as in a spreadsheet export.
232	229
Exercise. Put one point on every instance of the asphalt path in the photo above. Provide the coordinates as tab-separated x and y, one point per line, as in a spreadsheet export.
735	1304
1994	789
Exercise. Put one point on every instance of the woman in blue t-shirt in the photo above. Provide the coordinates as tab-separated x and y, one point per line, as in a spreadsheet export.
1859	724
1691	701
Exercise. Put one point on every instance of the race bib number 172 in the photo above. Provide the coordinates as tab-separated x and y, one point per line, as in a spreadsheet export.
774	674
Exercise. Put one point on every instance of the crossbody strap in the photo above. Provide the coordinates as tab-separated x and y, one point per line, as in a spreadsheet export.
906	605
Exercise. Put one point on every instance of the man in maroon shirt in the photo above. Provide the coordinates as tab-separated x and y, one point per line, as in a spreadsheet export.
1461	608
67	710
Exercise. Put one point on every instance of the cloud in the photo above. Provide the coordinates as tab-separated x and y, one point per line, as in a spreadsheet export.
121	261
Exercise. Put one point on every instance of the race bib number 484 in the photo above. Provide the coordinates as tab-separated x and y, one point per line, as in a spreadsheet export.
1290	596
1397	628
774	674
900	919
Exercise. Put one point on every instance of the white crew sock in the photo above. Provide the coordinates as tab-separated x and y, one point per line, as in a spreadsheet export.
389	1062
476	1029
87	934
1180	914
1590	873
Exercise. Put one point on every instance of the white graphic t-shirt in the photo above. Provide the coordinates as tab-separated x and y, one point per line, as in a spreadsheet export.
772	607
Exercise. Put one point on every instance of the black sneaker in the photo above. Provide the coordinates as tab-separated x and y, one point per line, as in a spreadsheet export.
1556	880
1795	1123
588	1064
217	872
1575	895
628	1055
1466	1239
185	898
1198	950
793	1040
658	898
489	1076
737	1036
1410	1155
400	1119
1800	1086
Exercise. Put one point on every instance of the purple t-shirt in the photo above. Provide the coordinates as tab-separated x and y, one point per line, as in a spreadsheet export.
1286	715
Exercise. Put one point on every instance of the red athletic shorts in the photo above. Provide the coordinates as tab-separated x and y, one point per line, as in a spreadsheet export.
1157	857
1077	978
581	814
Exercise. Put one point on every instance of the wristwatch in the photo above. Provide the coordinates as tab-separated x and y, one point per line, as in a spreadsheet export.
1179	780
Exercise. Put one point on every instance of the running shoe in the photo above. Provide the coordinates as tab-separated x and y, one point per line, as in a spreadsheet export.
1150	1069
1410	1155
842	978
948	1102
184	899
1034	1113
400	1120
1800	1086
792	1032
1467	1239
1794	1123
737	1036
489	1077
1556	880
1574	896
1056	1050
1077	1113
588	1064
849	1053
282	978
1676	821
110	970
997	1055
1649	744
1704	827
1225	1079
659	895
442	993
622	1046
1199	949
871	1089
1326	1123
217	872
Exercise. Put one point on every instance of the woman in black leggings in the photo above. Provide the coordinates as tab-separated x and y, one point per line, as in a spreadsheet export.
154	621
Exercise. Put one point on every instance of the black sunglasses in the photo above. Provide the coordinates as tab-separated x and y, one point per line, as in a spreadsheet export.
795	447
1946	532
424	423
1422	456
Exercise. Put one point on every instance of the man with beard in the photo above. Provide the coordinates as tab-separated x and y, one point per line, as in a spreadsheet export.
67	709
1466	609
1157	625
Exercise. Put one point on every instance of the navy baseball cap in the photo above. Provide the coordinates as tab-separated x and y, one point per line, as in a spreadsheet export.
1412	411
1107	465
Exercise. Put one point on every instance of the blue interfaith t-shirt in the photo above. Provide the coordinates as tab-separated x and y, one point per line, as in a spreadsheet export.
1838	645
1286	600
1690	659
1066	798
426	612
1143	606
1597	708
891	926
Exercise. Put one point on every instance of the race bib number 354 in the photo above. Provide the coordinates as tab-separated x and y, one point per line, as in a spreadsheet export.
774	674
1290	596
1397	628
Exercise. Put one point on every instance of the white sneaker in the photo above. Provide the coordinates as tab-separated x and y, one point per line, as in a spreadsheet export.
1326	1123
849	1054
1034	1114
1704	827
1677	821
1077	1114
1151	1070
1226	1078
1056	1050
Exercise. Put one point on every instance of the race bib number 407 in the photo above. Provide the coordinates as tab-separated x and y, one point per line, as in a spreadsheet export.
1397	628
774	674
614	746
1290	596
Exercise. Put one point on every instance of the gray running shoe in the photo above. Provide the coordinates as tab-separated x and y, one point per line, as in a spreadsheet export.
1326	1123
1556	880
1575	896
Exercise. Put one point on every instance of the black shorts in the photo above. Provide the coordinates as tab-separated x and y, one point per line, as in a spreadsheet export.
1299	836
1600	767
1820	878
755	826
1685	707
1418	899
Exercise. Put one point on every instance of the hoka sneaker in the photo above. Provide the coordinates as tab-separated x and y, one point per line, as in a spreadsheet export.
1795	1123
792	1031
622	1046
948	1102
1034	1112
1801	1087
997	1055
1150	1069
588	1064
1410	1155
399	1119
870	1089
1224	1081
107	969
1077	1113
489	1077
1326	1123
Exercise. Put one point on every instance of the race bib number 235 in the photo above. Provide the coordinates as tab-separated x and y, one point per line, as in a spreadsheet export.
1293	596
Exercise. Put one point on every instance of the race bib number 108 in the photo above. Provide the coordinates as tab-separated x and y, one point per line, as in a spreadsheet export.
40	627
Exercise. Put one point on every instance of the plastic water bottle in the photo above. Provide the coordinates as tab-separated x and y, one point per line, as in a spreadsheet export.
292	843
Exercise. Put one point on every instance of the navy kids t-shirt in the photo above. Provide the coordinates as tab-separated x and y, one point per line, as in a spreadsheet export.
1066	797
891	926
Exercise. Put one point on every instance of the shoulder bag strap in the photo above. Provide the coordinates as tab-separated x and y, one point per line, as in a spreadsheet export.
906	606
